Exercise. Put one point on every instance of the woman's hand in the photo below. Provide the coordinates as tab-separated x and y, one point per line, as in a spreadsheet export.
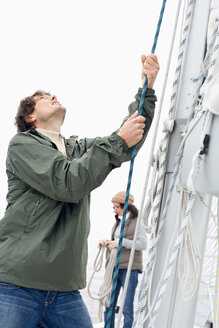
100	243
111	244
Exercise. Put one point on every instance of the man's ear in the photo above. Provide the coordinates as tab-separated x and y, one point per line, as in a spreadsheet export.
30	118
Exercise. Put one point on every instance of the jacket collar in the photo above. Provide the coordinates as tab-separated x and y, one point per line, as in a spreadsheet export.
69	143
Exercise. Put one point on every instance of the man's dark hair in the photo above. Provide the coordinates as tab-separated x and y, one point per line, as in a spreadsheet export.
25	108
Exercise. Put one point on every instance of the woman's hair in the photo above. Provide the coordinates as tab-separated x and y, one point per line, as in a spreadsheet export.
132	209
25	108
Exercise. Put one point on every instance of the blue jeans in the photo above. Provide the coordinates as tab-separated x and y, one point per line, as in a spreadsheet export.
31	308
129	300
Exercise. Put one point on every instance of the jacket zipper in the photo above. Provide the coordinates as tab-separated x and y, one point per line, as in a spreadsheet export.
37	204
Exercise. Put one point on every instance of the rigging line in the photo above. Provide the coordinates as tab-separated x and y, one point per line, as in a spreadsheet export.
103	295
166	279
115	275
174	176
151	306
149	161
154	242
189	252
98	263
173	257
96	268
215	312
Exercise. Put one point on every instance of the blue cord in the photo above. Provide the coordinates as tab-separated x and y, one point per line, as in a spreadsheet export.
143	93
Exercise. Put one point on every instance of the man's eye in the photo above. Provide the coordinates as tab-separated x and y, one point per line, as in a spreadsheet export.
43	97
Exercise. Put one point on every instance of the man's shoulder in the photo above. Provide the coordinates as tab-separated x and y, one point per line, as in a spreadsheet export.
27	137
19	137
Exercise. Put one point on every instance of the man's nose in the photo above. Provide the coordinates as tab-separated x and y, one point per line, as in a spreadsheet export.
53	97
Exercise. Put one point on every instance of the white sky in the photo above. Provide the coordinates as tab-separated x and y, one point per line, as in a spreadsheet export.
87	53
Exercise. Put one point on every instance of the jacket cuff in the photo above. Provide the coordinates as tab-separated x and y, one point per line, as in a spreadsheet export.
149	92
115	138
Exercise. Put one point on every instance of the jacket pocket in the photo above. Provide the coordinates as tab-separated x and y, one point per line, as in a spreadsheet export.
31	221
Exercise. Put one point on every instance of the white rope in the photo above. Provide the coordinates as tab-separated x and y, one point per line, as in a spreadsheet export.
151	306
172	259
157	120
174	176
152	311
189	254
216	298
188	291
210	265
190	237
196	269
105	289
151	195
143	297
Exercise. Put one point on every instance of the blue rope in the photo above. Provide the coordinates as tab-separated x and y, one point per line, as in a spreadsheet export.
143	93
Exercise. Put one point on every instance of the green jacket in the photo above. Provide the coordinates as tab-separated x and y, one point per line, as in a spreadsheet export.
43	234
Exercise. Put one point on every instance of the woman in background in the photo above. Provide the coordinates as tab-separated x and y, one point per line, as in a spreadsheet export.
132	213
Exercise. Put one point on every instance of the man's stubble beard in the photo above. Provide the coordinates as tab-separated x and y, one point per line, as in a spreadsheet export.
61	112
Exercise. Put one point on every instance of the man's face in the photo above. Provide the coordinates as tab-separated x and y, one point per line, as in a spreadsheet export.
47	109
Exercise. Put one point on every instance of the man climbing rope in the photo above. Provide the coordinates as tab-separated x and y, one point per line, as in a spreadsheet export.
43	235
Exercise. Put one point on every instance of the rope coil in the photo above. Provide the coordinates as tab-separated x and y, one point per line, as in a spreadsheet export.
105	289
